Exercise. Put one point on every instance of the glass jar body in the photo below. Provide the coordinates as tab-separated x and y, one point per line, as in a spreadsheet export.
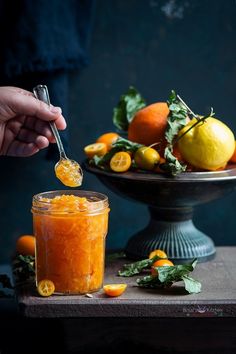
70	243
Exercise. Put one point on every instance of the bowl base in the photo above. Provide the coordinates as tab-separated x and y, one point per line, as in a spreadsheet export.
181	240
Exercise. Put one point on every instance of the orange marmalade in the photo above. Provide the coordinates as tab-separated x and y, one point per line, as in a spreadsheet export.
70	230
69	172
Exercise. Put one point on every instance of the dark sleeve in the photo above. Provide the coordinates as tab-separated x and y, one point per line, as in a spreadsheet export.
44	35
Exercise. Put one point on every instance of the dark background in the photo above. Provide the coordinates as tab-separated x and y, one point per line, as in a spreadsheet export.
156	46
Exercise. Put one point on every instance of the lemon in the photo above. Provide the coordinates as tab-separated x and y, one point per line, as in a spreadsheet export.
209	145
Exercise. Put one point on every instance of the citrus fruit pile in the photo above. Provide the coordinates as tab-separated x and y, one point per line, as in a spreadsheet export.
162	134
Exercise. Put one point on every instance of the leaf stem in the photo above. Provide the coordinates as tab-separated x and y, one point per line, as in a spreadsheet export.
192	126
190	111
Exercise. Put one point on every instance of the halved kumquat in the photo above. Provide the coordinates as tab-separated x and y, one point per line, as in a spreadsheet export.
120	162
98	149
159	253
114	289
46	287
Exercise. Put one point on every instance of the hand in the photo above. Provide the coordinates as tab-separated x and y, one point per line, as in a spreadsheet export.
24	127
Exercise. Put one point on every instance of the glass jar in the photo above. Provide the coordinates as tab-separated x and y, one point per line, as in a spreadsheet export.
70	229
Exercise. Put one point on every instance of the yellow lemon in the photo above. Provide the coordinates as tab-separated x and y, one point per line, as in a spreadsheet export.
209	145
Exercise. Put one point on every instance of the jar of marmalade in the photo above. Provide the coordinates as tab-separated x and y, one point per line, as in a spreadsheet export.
70	229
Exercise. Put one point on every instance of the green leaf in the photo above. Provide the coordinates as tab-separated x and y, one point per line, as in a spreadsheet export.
172	274
131	269
172	165
191	285
167	275
24	268
149	281
125	145
130	103
177	117
175	122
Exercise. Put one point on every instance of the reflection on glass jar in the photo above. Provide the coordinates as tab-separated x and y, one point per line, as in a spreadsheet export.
70	229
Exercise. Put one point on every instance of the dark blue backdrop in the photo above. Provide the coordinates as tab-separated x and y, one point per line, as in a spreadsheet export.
156	46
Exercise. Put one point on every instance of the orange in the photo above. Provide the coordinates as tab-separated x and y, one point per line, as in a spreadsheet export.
158	253
120	162
25	245
46	287
177	153
108	139
149	124
114	289
162	263
233	157
98	149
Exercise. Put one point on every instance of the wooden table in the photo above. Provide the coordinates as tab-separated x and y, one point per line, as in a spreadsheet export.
217	299
144	319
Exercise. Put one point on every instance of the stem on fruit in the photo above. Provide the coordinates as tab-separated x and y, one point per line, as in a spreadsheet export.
190	111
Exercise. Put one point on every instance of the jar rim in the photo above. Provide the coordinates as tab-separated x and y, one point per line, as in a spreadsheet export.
97	201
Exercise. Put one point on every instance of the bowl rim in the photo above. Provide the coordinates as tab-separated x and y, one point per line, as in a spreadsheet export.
201	176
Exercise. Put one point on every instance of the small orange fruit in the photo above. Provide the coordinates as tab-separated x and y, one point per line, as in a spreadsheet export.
146	158
98	149
25	245
114	289
120	161
149	125
233	157
158	253
162	263
108	139
46	287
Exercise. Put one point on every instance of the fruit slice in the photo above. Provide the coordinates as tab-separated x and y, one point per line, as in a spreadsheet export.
98	149
46	287
114	289
158	253
120	162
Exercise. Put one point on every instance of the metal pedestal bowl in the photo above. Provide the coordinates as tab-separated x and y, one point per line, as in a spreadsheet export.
171	202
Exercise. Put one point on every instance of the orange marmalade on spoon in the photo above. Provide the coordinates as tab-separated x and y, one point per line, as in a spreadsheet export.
69	172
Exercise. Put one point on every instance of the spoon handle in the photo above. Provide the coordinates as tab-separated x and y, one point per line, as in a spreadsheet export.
41	92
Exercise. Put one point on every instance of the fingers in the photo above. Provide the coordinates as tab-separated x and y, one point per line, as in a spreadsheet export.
15	101
23	149
31	136
40	127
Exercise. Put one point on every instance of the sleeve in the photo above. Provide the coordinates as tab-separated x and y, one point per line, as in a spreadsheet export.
43	35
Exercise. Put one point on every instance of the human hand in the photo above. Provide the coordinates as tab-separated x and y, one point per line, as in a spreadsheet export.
24	122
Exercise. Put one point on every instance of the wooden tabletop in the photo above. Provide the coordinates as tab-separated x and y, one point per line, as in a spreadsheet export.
217	298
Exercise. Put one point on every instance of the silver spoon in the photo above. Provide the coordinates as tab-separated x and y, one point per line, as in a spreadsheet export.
67	171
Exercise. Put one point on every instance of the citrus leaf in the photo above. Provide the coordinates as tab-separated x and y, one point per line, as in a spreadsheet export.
130	103
131	269
172	165
191	285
